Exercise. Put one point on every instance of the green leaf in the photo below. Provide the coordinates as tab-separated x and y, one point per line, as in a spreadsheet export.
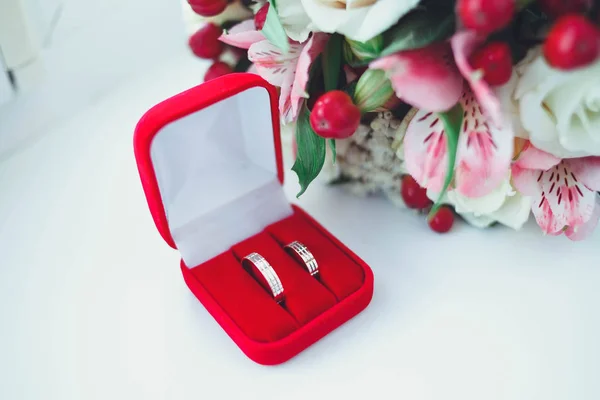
332	61
452	122
273	29
333	150
366	51
311	152
417	30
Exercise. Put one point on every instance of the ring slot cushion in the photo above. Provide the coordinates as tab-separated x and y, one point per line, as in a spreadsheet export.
210	164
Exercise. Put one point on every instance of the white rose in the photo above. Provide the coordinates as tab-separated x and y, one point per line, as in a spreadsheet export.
503	205
359	20
559	111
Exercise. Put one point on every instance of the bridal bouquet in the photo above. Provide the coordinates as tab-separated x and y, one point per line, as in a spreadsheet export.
487	109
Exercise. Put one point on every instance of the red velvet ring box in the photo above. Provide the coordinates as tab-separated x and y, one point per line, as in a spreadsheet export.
211	167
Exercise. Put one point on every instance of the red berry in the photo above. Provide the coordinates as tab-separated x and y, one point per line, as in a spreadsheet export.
442	220
217	69
261	17
414	196
485	16
335	116
205	42
556	8
495	60
208	8
572	42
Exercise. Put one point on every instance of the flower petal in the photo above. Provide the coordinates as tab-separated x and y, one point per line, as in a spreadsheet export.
509	106
463	44
583	231
361	23
572	203
271	64
380	16
286	109
534	158
515	211
425	78
484	152
586	170
425	150
555	107
545	217
309	53
483	205
242	35
294	19
525	181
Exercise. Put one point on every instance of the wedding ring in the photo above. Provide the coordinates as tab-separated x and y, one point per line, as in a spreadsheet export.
266	275
301	253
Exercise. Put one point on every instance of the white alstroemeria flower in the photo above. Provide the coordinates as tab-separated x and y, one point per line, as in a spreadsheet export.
503	205
559	110
359	20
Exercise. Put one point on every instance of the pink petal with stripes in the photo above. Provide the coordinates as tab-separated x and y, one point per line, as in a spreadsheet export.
271	64
425	150
484	151
570	201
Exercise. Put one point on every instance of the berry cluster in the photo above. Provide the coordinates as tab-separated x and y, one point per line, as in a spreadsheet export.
205	42
572	42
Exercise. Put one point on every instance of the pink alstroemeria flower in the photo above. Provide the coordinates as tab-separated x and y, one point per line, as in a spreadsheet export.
563	191
483	156
289	71
431	78
425	78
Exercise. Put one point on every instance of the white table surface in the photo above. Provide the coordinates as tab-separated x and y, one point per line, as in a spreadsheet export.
93	305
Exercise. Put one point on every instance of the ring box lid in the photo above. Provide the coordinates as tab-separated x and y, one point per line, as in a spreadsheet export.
211	166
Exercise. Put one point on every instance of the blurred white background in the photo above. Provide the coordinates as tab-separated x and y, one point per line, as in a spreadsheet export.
86	48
